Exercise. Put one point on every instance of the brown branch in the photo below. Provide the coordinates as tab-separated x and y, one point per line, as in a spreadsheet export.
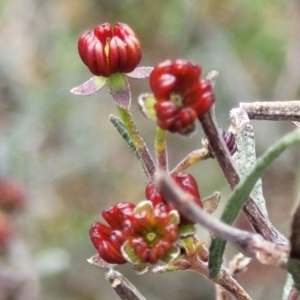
122	286
222	155
197	261
253	245
274	111
221	293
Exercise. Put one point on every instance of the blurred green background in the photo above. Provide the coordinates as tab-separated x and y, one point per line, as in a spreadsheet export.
72	160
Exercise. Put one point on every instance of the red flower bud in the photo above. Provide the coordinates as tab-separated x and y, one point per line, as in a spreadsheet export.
107	50
229	140
115	215
153	231
150	232
108	240
187	182
6	230
12	194
181	96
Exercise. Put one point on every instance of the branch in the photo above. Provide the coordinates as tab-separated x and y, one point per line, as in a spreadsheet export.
273	111
253	245
137	140
122	286
195	259
192	158
222	155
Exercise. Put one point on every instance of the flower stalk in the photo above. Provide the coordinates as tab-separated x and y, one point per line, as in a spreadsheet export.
161	149
141	147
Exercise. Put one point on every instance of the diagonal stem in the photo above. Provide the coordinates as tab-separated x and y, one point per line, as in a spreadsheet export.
192	158
161	149
222	155
141	147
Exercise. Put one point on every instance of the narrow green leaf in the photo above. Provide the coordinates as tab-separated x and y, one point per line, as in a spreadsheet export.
186	230
137	140
241	193
119	125
294	270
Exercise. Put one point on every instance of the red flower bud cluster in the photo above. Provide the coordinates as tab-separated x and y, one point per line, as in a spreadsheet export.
229	140
6	230
12	194
188	184
149	232
181	96
106	50
12	199
109	239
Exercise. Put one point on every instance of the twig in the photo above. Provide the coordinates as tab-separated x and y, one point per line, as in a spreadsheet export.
254	245
122	286
238	265
221	293
274	111
221	153
245	157
196	260
219	148
192	158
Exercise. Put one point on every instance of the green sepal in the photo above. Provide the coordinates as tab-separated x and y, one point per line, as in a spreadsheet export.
144	205
171	254
174	217
119	89
186	230
146	104
90	87
129	254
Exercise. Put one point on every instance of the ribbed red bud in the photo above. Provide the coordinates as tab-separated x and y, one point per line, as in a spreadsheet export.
149	231
6	230
108	240
106	50
12	194
187	182
116	214
229	140
181	96
156	230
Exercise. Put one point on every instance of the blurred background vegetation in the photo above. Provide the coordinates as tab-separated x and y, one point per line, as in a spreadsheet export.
71	159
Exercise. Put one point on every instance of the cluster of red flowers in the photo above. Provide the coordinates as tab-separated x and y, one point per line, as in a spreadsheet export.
181	97
146	233
12	199
149	229
149	233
